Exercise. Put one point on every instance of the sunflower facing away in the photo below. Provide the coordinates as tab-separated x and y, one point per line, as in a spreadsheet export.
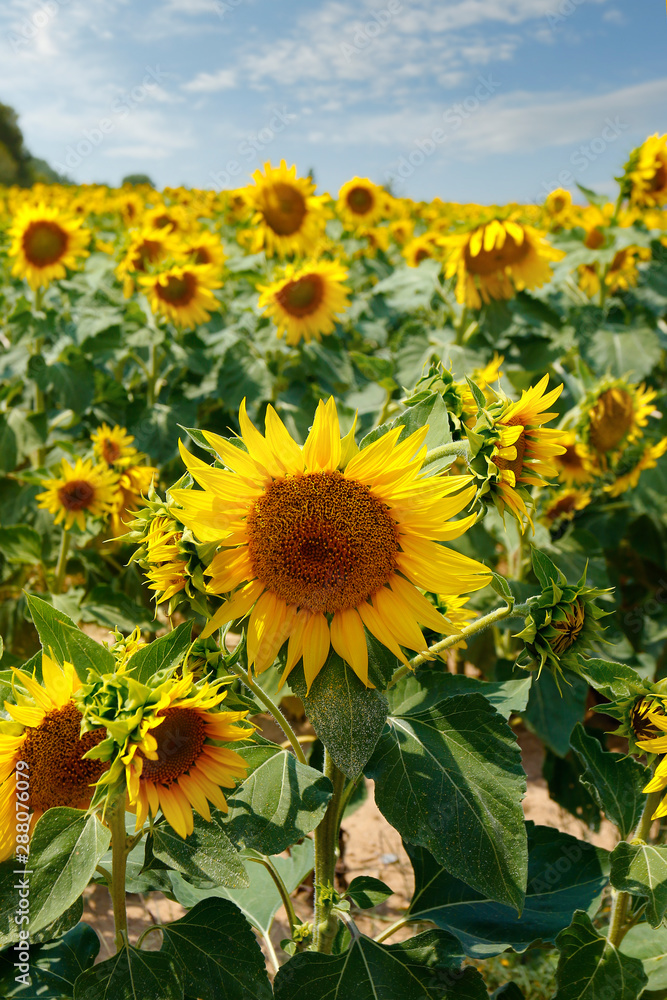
84	489
647	460
45	242
288	217
133	484
183	293
306	302
46	734
496	260
319	542
166	574
362	203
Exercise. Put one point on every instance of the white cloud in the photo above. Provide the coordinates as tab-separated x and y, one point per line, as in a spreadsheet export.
614	16
224	79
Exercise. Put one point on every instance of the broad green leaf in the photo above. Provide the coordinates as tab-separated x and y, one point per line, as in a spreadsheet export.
346	715
563	777
106	606
198	437
367	892
552	714
426	967
427	688
260	902
564	875
206	858
53	967
617	352
544	569
641	869
131	975
65	847
61	925
278	804
8	449
510	991
589	968
450	779
612	680
64	641
650	947
614	781
217	954
21	544
161	654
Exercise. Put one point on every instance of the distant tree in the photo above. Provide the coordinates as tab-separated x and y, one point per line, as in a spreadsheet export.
14	157
138	179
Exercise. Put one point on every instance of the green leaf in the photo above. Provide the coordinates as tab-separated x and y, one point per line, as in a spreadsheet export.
431	411
53	967
614	781
161	654
260	902
8	449
563	776
650	947
198	437
205	858
510	991
450	779
617	352
543	568
641	869
552	714
425	967
502	587
589	968
278	804
427	688
217	954
367	892
591	197
21	544
610	679
564	875
346	715
65	848
64	641
131	975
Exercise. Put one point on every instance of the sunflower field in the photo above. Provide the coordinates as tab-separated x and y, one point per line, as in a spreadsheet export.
307	502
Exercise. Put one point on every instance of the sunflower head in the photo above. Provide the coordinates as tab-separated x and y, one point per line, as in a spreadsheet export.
113	445
644	179
183	293
629	479
614	415
558	204
576	465
421	248
45	242
362	203
81	491
563	505
306	301
288	217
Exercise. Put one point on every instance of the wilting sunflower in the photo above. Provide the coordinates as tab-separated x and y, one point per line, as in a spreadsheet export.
50	743
576	464
615	415
496	260
113	445
307	300
166	574
288	217
648	460
175	764
133	484
323	540
563	506
362	203
646	173
183	293
45	242
84	489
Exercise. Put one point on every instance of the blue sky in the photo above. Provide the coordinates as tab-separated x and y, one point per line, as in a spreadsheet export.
469	100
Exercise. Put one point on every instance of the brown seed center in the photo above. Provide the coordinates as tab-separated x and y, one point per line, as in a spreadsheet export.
180	739
44	243
610	419
284	208
489	261
302	297
77	494
360	200
177	291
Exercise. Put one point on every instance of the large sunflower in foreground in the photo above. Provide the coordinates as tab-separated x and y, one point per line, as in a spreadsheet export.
288	217
496	260
183	293
81	490
615	415
646	173
362	203
307	300
45	242
320	542
49	742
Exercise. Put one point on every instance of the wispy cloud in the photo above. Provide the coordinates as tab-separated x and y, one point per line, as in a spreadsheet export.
207	83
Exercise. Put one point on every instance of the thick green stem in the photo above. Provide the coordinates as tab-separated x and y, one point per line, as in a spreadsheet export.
461	449
461	329
618	921
61	565
152	374
326	847
271	706
116	823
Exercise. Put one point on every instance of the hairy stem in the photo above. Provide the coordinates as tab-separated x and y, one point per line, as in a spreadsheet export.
618	921
62	562
116	823
461	449
271	707
282	889
326	846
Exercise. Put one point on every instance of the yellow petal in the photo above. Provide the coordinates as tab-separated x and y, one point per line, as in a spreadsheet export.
349	640
316	643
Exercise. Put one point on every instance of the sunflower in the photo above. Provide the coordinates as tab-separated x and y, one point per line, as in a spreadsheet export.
615	415
564	505
288	217
322	540
113	445
133	483
496	260
84	489
183	293
646	173
204	248
456	615
362	203
576	465
147	247
49	741
420	248
45	242
166	574
402	230
657	744
306	301
648	460
558	204
175	764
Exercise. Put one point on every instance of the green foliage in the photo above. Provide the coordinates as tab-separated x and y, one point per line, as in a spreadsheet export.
590	966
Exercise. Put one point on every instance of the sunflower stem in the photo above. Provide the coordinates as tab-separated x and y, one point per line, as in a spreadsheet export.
152	374
326	847
461	329
292	918
461	449
618	922
61	565
116	823
271	706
